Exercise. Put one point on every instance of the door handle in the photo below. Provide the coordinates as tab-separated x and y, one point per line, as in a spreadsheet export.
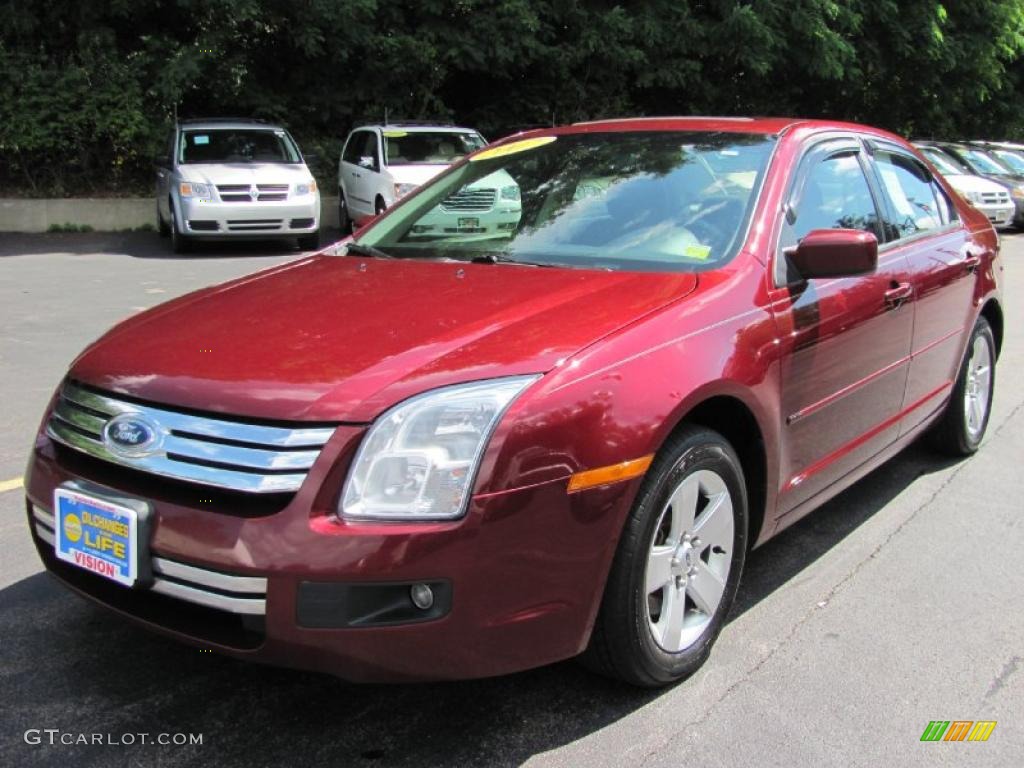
972	262
898	293
358	176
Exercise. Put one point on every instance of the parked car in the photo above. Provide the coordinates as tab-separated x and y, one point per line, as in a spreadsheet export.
401	459
232	179
1009	154
990	198
380	164
981	163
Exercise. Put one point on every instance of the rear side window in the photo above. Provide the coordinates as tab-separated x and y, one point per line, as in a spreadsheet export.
911	194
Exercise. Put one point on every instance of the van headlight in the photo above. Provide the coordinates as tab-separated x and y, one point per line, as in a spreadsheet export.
301	190
419	459
194	189
974	198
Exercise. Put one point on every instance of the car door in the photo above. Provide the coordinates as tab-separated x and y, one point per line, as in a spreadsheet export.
844	343
355	173
925	229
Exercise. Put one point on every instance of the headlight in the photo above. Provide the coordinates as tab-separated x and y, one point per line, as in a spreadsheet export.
1017	193
419	460
192	189
305	189
510	193
973	197
401	190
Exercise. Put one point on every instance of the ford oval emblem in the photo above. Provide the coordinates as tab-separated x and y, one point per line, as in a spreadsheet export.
131	434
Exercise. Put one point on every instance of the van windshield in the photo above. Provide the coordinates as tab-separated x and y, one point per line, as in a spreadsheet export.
428	147
236	145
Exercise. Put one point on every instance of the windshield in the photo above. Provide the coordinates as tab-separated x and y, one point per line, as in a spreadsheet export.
428	147
984	163
665	201
237	145
944	163
1012	159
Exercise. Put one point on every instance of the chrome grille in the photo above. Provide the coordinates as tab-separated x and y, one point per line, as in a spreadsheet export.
242	193
995	198
210	451
470	201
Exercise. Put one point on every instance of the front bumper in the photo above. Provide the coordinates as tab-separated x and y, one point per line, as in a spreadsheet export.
999	215
525	571
212	219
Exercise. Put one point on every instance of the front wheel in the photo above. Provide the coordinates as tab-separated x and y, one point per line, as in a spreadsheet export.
678	564
179	243
344	220
161	225
962	425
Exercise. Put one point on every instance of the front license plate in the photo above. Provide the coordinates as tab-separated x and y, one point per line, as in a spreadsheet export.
97	535
469	223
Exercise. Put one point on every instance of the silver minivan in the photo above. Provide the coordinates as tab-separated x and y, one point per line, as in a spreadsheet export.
230	179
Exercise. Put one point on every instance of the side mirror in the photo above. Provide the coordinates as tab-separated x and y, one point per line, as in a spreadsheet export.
834	253
366	161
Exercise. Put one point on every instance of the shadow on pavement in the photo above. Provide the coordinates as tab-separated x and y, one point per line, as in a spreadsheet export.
143	245
69	665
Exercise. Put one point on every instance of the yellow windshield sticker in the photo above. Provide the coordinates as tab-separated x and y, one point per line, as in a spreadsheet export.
700	252
513	148
395	134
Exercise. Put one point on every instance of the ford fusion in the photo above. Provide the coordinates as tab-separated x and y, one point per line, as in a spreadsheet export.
423	454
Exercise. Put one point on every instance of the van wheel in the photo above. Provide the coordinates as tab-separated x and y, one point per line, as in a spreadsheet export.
379	207
677	567
959	430
161	225
344	221
179	242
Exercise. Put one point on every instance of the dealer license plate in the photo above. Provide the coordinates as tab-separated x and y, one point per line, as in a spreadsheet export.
97	535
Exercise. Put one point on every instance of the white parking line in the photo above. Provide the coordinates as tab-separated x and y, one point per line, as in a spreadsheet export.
10	485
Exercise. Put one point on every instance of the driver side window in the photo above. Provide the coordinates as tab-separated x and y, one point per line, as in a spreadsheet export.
835	195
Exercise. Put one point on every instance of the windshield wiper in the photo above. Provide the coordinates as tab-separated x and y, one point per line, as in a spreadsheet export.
498	258
358	249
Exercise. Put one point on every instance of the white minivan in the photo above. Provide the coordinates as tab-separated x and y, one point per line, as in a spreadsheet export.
380	164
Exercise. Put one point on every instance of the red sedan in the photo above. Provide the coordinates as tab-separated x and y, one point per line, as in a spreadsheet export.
446	449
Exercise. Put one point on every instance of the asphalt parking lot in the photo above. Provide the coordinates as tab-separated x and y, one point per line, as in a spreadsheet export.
898	603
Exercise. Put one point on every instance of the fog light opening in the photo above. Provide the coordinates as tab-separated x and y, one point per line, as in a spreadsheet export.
422	596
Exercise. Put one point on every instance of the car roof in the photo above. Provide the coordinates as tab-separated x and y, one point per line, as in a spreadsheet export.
774	126
213	123
416	128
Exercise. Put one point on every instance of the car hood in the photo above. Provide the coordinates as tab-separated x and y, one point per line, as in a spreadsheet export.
245	173
333	338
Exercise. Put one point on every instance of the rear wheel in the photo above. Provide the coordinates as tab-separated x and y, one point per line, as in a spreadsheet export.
962	426
677	567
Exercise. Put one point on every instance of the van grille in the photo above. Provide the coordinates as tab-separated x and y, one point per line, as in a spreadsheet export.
470	201
242	193
216	452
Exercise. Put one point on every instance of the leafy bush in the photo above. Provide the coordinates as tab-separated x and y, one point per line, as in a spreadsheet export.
89	88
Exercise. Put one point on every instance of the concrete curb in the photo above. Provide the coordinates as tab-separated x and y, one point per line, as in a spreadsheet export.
101	214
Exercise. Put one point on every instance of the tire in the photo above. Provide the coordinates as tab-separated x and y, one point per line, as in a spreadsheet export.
379	207
344	220
161	225
179	242
634	637
309	242
960	429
